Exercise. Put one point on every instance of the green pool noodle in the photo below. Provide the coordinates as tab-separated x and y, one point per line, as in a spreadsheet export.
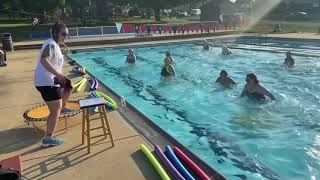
108	99
81	85
154	162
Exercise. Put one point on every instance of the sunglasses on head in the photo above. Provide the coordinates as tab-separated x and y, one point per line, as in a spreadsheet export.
64	34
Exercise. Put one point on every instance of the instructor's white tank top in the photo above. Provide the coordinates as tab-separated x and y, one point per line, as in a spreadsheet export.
42	76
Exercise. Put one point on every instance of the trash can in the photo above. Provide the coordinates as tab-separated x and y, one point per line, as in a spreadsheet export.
7	42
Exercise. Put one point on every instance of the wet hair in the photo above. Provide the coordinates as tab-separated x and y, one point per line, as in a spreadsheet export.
223	72
288	53
56	29
254	77
168	53
130	50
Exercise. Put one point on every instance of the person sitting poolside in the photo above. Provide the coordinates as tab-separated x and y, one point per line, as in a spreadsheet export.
168	55
168	69
131	58
224	79
254	90
2	58
225	50
289	61
206	45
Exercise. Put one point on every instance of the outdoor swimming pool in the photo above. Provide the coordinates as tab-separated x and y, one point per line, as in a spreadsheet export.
239	138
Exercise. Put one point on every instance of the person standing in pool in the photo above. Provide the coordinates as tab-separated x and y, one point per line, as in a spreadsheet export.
54	87
226	51
168	69
224	79
254	90
206	45
131	58
168	55
289	61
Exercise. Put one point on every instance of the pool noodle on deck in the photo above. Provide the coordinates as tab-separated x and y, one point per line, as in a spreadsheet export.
177	164
81	85
97	83
168	164
78	83
93	85
154	162
108	99
191	164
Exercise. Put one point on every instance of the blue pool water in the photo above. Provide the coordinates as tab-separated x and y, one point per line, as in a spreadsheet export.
239	138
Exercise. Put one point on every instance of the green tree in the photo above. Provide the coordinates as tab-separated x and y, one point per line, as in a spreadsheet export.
157	5
61	3
13	6
78	7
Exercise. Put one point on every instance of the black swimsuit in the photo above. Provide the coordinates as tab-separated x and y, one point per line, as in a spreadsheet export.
165	72
257	96
131	60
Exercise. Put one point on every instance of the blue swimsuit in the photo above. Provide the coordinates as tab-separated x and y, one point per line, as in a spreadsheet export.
257	96
131	60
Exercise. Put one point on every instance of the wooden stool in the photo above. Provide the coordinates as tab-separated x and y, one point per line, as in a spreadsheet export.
85	105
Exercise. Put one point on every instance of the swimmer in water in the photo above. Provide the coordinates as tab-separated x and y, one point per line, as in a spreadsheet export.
168	55
168	69
224	79
226	51
289	61
254	90
206	45
131	58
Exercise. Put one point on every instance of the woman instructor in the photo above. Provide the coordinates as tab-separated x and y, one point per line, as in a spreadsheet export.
53	86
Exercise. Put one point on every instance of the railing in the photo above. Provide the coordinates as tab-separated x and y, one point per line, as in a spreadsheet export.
98	31
131	29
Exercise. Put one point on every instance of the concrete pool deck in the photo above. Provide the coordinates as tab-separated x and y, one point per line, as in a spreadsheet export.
68	161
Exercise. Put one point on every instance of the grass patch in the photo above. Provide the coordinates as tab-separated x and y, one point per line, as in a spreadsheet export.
286	26
21	32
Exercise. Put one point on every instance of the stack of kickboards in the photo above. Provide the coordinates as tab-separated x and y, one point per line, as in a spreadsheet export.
177	164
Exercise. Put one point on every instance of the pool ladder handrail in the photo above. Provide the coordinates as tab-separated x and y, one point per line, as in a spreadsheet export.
261	35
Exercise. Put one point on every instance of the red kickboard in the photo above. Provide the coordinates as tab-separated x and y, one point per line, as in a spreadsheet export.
191	164
13	162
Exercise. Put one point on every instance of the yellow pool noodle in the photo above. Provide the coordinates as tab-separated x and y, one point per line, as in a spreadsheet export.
78	83
81	85
154	162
